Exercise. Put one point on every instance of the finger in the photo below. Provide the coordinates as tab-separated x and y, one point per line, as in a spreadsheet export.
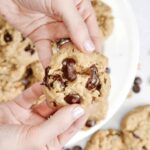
28	97
75	24
44	51
68	134
88	14
50	31
94	30
44	109
57	124
42	36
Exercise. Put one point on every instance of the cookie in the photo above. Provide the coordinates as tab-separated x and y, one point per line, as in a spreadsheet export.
18	60
104	17
70	80
136	128
106	140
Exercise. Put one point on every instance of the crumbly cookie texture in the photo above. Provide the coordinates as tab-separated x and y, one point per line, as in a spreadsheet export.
136	128
18	62
106	140
104	17
74	77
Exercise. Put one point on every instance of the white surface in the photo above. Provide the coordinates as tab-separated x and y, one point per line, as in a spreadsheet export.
122	50
142	10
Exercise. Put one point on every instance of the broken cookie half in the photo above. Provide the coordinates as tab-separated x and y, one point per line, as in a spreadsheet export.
74	77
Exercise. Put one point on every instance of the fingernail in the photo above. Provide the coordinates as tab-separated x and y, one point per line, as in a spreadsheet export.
89	46
78	112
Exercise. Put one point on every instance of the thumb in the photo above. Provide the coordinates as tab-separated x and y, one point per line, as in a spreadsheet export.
56	125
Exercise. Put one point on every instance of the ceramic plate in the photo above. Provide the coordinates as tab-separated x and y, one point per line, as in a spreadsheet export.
122	49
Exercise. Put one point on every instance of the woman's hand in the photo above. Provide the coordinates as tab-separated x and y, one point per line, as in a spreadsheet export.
23	129
49	20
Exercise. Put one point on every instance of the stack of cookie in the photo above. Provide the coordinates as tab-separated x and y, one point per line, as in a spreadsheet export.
134	134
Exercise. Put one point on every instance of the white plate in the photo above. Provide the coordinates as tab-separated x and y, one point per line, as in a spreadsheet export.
122	49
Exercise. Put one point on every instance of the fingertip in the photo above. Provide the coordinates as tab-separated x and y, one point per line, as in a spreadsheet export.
89	46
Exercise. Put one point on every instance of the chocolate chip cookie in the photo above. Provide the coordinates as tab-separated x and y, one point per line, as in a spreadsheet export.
136	128
18	60
74	77
106	140
104	17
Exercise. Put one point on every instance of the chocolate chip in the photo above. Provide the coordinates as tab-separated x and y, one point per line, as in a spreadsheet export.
27	78
29	49
73	99
98	87
77	148
46	77
23	38
93	81
90	123
28	73
135	135
8	37
144	147
138	80
56	77
68	69
136	88
108	70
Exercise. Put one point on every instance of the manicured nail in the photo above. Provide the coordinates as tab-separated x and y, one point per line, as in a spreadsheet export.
89	46
78	112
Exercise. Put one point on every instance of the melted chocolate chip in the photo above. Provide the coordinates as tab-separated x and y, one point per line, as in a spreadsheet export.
27	78
29	49
93	81
73	99
68	69
90	123
28	73
8	37
77	148
46	77
54	78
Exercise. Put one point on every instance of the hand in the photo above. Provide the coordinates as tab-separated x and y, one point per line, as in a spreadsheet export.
23	129
49	20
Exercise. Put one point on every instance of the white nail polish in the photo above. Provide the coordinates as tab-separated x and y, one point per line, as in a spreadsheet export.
89	46
78	112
